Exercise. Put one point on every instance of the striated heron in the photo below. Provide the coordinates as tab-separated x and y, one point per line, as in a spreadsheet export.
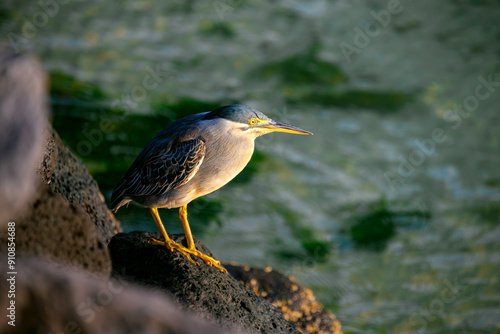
190	158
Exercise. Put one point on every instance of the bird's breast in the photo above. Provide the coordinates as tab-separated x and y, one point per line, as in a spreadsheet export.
223	161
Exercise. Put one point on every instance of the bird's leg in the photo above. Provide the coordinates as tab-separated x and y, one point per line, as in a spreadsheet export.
183	216
172	245
169	243
189	238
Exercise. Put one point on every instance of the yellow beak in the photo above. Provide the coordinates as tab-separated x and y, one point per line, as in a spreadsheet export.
275	126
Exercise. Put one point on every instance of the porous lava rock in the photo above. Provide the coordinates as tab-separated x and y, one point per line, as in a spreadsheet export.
202	289
71	179
55	230
297	303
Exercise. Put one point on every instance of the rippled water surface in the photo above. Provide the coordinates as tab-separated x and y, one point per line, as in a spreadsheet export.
390	212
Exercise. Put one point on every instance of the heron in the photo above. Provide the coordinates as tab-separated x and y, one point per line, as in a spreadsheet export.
190	158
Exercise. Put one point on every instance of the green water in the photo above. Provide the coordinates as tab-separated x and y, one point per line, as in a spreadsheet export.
390	212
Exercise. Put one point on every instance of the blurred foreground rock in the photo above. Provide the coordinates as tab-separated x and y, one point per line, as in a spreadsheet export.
66	222
23	117
51	300
296	302
201	289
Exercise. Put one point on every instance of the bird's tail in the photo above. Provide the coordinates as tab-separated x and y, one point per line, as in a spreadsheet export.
118	198
118	205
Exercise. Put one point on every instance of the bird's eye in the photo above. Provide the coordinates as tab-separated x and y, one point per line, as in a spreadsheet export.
253	121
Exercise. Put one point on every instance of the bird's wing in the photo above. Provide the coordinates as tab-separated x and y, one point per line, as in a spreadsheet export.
162	169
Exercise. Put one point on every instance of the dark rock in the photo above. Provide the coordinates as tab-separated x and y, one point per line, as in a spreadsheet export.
50	154
296	302
72	180
23	114
202	289
55	230
51	300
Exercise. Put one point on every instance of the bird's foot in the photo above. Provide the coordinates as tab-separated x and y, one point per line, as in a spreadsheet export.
208	260
187	252
171	246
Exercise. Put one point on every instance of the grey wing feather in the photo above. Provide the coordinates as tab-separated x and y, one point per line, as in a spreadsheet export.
160	170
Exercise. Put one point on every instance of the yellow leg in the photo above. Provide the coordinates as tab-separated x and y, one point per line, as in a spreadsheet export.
189	238
172	245
169	243
183	216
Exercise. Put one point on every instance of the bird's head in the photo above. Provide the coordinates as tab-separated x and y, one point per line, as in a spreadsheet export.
253	121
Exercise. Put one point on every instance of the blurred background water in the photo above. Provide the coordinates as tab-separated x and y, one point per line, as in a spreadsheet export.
390	212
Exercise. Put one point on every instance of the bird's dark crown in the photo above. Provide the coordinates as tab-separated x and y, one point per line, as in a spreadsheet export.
236	113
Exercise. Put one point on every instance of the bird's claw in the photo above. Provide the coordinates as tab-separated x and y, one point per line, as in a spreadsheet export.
211	262
161	243
187	252
190	259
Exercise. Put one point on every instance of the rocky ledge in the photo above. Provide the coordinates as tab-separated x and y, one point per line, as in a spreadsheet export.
204	290
258	300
